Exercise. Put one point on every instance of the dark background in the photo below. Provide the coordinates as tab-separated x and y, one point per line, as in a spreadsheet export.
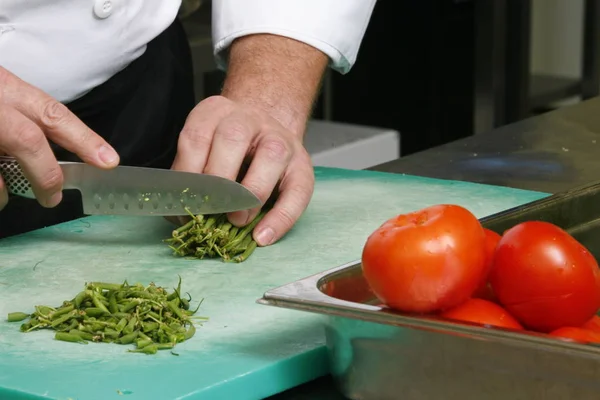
441	70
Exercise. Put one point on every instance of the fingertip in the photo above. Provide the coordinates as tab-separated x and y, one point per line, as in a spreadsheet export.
53	200
239	218
280	219
181	163
108	156
264	235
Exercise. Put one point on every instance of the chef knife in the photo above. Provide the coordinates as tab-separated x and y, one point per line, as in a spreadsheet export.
125	190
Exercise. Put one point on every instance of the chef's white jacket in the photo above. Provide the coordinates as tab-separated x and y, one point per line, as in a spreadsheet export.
68	47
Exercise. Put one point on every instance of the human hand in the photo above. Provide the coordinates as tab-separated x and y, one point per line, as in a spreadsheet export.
220	135
28	118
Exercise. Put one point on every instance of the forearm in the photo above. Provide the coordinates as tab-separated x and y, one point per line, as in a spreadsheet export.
280	75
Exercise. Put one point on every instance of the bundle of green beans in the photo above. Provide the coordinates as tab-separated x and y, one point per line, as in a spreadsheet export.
149	317
213	236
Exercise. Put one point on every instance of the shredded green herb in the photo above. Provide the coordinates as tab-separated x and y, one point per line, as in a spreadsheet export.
212	236
148	317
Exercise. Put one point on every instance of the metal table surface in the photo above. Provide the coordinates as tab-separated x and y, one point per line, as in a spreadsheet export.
549	153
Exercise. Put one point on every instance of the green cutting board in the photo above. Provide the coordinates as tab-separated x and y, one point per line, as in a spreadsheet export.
245	350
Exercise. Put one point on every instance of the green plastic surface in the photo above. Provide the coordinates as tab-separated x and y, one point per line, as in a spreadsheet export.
245	350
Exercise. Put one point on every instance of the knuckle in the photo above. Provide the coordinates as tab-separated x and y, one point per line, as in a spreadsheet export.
276	149
54	114
27	136
215	99
51	180
286	216
297	199
302	192
234	132
195	137
212	107
260	188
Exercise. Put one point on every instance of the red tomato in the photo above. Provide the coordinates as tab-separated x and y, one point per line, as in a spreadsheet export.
491	242
544	277
593	324
427	260
484	291
482	312
577	334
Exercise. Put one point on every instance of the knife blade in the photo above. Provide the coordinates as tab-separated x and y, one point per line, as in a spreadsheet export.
126	190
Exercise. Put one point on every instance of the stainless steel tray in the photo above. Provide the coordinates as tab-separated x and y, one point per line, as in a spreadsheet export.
376	353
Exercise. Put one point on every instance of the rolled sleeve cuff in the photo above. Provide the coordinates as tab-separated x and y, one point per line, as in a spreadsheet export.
335	27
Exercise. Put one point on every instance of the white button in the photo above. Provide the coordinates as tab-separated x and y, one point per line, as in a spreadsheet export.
103	8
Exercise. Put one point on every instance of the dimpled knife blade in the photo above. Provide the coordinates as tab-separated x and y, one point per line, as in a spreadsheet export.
140	191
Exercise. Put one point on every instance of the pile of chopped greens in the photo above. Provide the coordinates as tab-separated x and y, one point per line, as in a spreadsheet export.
148	317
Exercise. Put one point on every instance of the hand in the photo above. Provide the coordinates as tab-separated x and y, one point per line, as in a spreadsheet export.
28	118
220	135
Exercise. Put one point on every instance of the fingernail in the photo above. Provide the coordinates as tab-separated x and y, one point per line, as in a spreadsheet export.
239	218
54	199
265	236
108	155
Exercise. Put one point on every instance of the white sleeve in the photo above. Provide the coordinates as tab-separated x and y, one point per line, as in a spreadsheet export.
336	27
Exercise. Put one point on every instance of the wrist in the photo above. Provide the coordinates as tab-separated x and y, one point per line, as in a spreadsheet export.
290	116
278	75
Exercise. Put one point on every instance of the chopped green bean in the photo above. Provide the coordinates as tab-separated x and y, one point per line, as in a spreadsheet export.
95	312
140	343
81	334
190	332
67	337
17	316
43	311
149	326
127	339
214	236
106	286
61	311
174	306
81	296
131	305
112	304
131	325
97	302
64	318
150	349
150	318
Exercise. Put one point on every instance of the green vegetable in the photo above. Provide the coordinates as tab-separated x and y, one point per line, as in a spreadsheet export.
68	337
149	317
17	316
213	236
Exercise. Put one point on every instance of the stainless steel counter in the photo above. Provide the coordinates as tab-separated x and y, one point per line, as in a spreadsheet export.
549	153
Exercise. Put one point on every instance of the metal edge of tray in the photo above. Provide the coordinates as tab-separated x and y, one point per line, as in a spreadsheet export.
537	206
304	295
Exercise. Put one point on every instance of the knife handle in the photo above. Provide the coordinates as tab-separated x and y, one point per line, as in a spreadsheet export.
14	179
